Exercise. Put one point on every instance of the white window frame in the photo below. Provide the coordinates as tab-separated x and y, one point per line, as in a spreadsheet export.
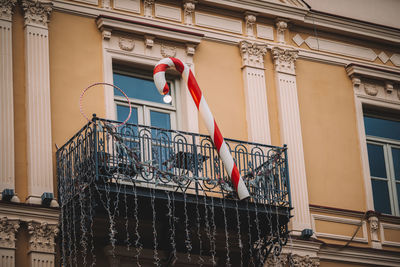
382	100
145	107
388	144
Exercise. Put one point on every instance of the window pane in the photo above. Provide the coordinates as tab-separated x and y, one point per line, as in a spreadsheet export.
160	119
381	196
382	127
398	194
137	88
123	112
376	160
396	162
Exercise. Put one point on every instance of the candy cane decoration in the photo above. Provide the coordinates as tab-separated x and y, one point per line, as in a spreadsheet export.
201	104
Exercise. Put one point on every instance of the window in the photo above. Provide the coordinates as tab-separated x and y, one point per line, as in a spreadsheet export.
383	144
148	107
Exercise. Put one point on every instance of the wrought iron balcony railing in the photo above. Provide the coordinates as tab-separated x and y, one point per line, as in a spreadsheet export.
169	160
135	159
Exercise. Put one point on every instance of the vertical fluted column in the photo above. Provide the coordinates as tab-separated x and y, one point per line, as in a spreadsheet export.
7	160
255	91
290	128
42	244
8	229
39	153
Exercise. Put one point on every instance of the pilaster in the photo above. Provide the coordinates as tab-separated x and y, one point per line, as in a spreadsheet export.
42	243
7	161
289	116
8	229
39	152
255	91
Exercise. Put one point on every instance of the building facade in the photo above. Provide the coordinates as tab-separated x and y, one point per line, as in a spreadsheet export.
274	72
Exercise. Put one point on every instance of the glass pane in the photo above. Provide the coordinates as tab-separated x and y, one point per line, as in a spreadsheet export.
123	112
381	196
137	88
396	162
398	194
382	127
376	160
160	119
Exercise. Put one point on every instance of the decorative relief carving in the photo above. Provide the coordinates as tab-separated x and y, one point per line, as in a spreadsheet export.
148	8
188	9
284	59
168	51
303	261
356	83
277	261
37	12
190	49
6	8
149	41
42	236
106	34
370	89
389	87
281	27
106	4
284	260
126	44
250	19
252	54
8	229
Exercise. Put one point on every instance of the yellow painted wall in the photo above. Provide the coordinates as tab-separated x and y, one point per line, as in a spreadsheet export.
330	138
75	63
21	183
220	78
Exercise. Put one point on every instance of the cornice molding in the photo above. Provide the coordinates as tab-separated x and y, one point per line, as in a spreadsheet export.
6	9
36	13
373	72
42	236
8	229
24	212
253	54
284	59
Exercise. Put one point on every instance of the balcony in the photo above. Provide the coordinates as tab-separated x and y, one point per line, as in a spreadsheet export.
143	188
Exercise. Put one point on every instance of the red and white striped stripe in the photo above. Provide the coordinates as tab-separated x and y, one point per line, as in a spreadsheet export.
201	104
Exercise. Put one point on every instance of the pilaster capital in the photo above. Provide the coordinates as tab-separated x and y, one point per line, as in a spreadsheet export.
253	54
8	229
6	9
42	236
284	59
36	13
